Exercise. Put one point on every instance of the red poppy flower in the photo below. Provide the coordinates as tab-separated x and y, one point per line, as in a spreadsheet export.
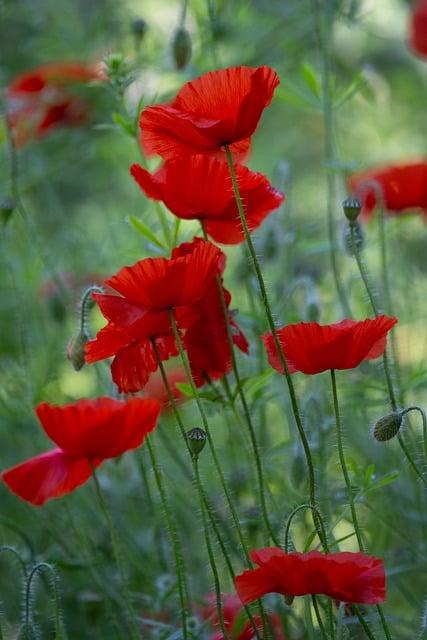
86	433
348	577
235	620
40	100
206	338
312	348
155	387
218	108
148	290
403	187
199	187
418	28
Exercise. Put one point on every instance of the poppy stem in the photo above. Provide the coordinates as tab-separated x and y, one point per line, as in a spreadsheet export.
269	315
392	396
319	618
293	513
135	633
219	471
206	504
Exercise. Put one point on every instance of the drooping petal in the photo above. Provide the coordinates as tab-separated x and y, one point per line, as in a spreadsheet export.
49	475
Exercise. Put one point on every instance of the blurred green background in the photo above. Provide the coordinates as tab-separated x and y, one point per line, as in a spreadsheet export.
79	197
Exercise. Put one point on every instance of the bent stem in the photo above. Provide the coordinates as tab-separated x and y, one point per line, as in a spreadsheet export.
269	315
206	504
217	465
176	546
248	419
117	555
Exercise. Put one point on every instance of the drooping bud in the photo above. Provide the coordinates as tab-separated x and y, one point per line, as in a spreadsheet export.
196	439
139	29
181	47
76	350
388	426
353	235
352	208
7	206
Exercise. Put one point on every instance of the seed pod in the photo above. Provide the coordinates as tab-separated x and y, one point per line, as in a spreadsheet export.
181	47
196	439
351	208
387	427
76	350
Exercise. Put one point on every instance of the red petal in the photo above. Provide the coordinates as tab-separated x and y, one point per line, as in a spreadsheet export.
49	475
418	28
254	583
146	181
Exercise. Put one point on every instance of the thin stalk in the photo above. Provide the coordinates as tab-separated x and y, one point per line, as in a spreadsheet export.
246	412
319	618
211	554
176	546
206	503
217	465
392	396
269	315
423	418
135	633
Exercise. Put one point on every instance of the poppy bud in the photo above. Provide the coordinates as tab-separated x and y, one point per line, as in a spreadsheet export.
196	439
76	350
7	205
139	29
388	426
181	47
353	230
352	208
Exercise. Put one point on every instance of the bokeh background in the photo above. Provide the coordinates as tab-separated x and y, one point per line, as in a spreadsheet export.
79	199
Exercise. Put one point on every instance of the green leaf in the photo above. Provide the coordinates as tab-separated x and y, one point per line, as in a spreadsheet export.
127	126
145	231
309	77
383	481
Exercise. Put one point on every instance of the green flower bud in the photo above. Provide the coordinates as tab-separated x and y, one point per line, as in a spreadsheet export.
388	426
196	439
181	47
352	208
76	350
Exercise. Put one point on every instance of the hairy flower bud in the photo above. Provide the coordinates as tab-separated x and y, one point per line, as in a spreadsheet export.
76	350
352	208
181	47
196	439
388	426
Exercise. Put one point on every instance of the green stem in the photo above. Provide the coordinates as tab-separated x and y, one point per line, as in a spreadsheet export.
423	418
176	546
314	511
319	618
206	504
269	315
117	554
210	552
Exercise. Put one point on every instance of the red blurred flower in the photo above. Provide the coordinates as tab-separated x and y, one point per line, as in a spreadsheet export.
149	289
206	338
347	577
199	187
418	28
86	433
39	100
218	108
155	387
235	620
312	348
403	187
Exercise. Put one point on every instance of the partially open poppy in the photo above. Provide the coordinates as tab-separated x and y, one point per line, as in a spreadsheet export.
199	187
312	348
347	577
42	99
219	108
418	28
86	433
402	187
149	289
235	620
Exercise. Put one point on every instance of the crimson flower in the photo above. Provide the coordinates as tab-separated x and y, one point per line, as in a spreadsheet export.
418	28
219	108
199	187
403	187
86	433
149	289
206	338
155	387
234	619
40	100
347	577
312	348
